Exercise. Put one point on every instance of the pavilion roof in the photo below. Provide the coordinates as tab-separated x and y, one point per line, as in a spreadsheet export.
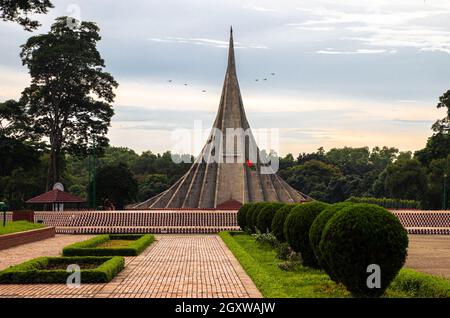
56	196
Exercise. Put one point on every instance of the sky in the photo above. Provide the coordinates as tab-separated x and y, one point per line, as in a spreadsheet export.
347	73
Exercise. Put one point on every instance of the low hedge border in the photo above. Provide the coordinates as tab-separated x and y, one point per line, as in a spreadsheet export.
89	247
34	272
421	285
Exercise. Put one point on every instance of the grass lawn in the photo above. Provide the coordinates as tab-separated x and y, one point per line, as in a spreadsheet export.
18	226
116	243
261	264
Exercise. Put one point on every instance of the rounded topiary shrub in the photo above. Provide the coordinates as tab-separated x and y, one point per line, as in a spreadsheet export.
250	218
360	236
278	221
265	216
315	232
242	215
296	229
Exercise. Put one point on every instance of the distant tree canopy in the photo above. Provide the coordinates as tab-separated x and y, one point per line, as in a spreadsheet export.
116	184
19	10
69	99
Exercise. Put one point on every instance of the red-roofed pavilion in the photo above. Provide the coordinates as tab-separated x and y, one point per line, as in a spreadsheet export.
57	198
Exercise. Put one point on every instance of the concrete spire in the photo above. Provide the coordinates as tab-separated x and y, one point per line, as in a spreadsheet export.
219	183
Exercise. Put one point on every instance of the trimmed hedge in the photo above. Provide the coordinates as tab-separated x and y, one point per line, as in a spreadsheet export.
386	202
265	216
315	232
90	247
35	272
296	230
252	214
361	235
242	215
278	221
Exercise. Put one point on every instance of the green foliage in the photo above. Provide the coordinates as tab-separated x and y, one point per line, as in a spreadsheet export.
406	179
92	246
311	178
39	270
296	229
69	99
265	238
278	221
421	285
18	226
19	10
315	232
387	203
261	264
242	215
252	215
265	216
117	184
358	236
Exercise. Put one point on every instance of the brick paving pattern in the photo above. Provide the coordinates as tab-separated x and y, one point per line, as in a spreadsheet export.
48	247
174	266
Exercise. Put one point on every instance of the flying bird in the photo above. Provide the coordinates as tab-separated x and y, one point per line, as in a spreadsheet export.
185	84
170	81
203	91
256	80
265	79
272	74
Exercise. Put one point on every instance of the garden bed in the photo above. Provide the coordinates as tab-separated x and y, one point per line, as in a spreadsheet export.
110	245
18	226
261	264
52	270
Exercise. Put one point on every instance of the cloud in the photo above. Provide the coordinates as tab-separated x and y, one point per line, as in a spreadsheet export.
359	51
259	8
384	25
207	42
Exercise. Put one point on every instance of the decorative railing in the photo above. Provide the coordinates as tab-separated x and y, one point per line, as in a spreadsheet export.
199	221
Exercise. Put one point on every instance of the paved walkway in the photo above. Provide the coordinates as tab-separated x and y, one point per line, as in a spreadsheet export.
429	254
173	266
48	247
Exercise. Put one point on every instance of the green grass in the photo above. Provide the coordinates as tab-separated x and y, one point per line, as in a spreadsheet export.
18	226
110	245
261	264
116	243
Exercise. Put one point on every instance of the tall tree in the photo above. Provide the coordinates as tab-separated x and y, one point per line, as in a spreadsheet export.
70	96
116	184
18	11
406	179
438	145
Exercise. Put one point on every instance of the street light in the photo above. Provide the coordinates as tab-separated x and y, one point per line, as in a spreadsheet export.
444	202
4	209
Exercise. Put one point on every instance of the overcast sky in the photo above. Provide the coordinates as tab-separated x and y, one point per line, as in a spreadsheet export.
347	73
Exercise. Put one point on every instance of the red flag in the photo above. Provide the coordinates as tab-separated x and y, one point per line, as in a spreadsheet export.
249	163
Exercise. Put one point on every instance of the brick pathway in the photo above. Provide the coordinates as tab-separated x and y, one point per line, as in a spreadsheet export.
174	266
429	254
48	247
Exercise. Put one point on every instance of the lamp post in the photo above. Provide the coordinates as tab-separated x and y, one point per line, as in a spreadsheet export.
444	202
92	172
4	209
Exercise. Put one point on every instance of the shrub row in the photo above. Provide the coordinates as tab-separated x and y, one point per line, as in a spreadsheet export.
343	239
387	203
36	271
91	247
